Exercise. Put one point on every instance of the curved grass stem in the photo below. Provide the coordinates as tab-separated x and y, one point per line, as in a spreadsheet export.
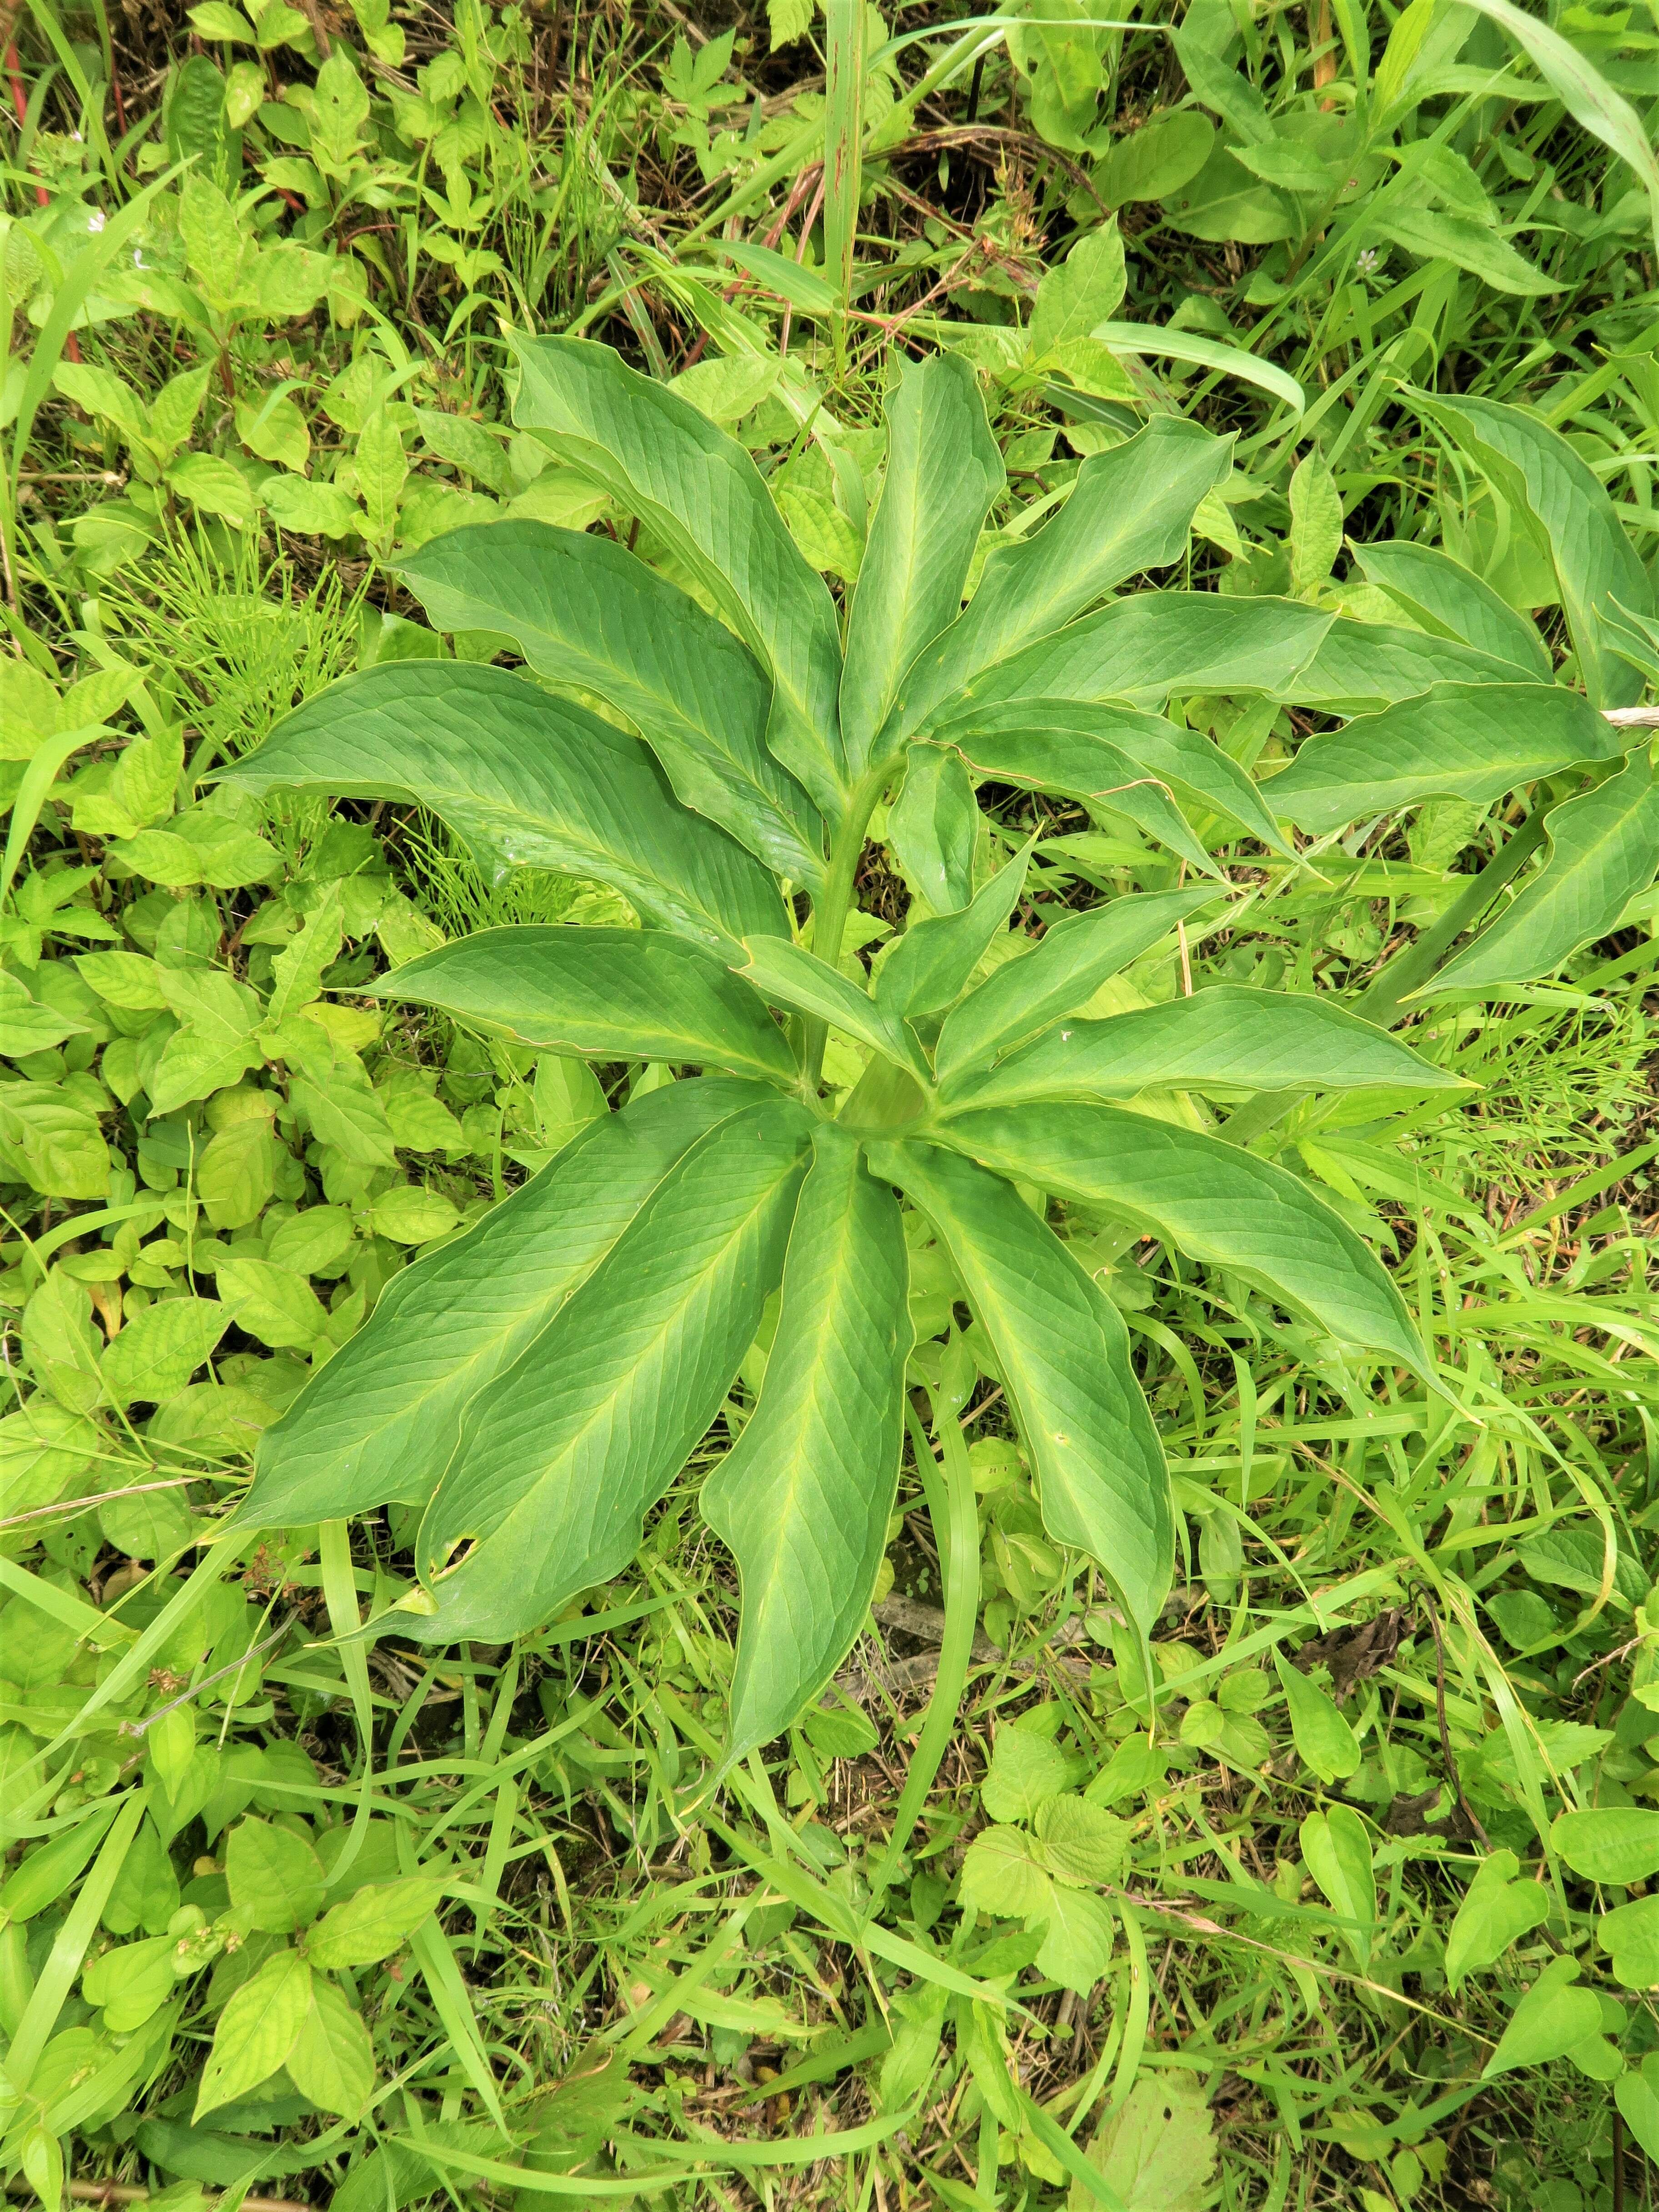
954	1512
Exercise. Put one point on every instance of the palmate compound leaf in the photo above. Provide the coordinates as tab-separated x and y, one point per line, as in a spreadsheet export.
1219	1203
563	1455
1227	1038
1063	1353
802	1499
1079	746
1020	999
1473	741
381	1419
527	780
700	492
944	472
609	993
1603	847
1129	509
1595	564
590	616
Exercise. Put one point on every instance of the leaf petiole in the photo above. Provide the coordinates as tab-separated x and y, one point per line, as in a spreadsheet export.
829	914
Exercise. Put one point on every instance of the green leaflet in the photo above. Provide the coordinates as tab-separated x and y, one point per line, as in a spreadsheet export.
1551	2020
1615	1844
1128	510
609	993
1473	741
802	1499
1472	246
561	1456
932	826
1363	666
373	1923
699	490
932	961
1449	601
789	976
944	472
331	2061
1088	768
1496	1909
1603	847
1020	999
1222	1205
1629	1934
1337	1853
256	2032
1063	1355
589	616
1145	648
528	780
1323	1738
1595	564
1077	746
1226	1038
380	1420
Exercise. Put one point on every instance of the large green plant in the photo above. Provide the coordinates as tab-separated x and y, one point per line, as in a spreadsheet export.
536	1384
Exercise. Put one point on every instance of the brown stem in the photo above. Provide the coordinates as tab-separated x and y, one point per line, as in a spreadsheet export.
1464	1805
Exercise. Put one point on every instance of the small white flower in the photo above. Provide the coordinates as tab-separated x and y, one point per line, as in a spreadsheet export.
1365	261
95	221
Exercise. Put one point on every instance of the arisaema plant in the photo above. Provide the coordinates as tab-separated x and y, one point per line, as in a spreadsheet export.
536	1385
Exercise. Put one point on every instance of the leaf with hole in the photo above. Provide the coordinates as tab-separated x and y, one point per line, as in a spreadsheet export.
563	1452
382	1418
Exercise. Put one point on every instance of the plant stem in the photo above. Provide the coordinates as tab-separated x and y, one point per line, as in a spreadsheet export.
1381	1002
830	912
955	1531
1407	970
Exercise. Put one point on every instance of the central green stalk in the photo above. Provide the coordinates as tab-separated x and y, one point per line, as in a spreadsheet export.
830	912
